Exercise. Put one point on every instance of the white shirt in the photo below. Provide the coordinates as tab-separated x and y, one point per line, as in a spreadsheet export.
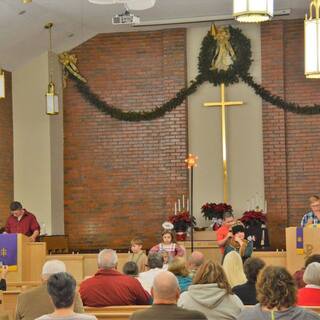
146	278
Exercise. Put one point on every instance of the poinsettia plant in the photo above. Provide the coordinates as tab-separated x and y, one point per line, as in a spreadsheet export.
253	218
182	221
215	211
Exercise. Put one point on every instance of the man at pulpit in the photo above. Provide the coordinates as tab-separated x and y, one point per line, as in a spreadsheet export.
313	216
22	221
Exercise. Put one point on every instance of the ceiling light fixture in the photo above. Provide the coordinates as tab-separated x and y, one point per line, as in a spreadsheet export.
52	101
130	4
252	10
312	41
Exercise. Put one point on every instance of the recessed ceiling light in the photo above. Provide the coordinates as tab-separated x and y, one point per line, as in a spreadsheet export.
26	1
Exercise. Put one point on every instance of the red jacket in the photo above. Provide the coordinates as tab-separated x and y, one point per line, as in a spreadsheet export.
112	288
308	297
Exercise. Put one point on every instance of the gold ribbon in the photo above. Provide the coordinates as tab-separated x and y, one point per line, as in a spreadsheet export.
224	55
69	63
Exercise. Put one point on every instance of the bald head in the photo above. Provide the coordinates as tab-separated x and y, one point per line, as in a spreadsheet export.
196	259
165	288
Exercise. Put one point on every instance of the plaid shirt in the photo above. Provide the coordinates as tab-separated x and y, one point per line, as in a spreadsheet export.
309	216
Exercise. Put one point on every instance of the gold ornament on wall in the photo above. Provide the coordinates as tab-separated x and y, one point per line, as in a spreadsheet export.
69	63
224	55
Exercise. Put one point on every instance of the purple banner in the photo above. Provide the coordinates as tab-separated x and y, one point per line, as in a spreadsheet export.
8	249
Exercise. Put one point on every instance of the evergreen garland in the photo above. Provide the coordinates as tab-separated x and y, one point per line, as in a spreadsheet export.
238	70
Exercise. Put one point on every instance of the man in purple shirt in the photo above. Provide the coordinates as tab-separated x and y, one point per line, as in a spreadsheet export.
22	221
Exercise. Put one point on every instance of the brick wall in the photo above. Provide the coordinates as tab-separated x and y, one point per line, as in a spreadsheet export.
291	142
6	151
121	178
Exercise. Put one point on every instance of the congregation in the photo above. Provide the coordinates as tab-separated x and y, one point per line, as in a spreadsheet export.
187	288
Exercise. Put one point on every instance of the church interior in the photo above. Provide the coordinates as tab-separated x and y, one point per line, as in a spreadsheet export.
117	117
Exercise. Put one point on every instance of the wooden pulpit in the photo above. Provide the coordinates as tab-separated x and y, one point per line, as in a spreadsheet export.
30	259
311	245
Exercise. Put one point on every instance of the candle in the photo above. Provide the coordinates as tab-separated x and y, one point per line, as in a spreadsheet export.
179	206
187	204
265	206
183	202
175	208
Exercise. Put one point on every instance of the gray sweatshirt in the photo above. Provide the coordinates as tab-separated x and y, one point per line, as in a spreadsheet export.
293	313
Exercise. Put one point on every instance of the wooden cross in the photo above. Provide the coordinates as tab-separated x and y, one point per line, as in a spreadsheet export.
223	104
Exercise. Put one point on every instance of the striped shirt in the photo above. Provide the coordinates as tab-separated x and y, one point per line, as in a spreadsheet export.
309	216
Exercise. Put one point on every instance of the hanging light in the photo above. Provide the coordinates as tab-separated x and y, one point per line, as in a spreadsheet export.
312	41
2	85
252	10
52	101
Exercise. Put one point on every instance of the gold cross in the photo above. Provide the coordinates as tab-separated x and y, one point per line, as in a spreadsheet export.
3	252
223	103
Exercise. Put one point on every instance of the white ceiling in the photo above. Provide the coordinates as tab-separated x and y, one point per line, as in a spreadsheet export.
23	37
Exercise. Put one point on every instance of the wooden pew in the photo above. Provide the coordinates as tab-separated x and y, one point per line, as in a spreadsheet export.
312	308
22	285
9	302
116	309
112	315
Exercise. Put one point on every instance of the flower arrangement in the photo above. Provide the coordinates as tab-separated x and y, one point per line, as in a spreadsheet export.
215	211
253	218
181	221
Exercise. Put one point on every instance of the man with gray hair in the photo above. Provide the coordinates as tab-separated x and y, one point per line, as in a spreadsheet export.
155	263
165	292
36	302
108	287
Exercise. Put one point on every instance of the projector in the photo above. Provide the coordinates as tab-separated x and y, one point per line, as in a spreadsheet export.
125	18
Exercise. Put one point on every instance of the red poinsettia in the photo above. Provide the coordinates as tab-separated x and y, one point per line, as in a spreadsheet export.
213	210
181	221
253	217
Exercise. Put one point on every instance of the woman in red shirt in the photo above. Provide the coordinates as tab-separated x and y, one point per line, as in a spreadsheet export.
310	294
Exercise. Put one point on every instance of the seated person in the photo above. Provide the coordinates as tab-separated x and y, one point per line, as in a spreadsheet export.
130	268
165	293
247	291
233	268
169	244
166	258
36	302
178	267
62	290
109	287
313	216
310	294
196	259
155	264
298	275
3	282
210	293
224	233
137	255
238	243
277	294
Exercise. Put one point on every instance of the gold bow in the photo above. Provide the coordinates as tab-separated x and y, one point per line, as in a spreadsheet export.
224	55
69	63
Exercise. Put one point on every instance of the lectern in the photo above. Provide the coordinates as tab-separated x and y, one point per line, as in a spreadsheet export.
30	257
308	239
